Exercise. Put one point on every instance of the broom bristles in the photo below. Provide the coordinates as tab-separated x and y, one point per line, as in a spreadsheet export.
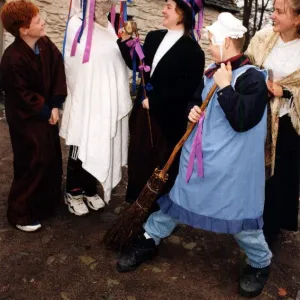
131	220
125	228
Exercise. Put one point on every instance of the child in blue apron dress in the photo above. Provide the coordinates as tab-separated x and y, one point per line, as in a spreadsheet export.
221	180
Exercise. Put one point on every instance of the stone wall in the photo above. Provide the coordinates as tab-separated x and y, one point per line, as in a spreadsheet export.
147	14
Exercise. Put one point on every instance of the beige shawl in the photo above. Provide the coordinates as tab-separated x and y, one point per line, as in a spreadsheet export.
259	49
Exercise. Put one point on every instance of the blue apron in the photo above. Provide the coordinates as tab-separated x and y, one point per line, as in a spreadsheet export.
230	196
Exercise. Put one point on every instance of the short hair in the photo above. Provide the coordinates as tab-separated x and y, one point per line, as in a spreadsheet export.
18	14
239	43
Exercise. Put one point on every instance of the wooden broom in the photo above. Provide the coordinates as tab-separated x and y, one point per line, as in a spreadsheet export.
127	226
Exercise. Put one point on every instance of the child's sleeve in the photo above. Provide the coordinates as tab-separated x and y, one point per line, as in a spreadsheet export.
59	82
244	105
30	102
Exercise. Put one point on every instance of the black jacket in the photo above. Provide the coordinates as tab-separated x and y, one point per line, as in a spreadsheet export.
174	80
244	105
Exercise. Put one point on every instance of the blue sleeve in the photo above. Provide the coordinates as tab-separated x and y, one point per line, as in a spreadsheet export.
45	113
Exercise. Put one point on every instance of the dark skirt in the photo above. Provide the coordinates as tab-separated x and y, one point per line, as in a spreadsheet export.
36	186
282	190
143	158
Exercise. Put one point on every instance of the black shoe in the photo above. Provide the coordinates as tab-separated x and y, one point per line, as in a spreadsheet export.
253	281
142	250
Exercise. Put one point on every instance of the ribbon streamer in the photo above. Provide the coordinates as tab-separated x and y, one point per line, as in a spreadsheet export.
196	152
88	45
77	38
136	49
135	45
65	37
134	72
123	14
144	67
84	9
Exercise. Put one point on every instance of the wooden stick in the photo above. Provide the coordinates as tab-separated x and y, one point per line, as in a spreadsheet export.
148	114
145	95
189	130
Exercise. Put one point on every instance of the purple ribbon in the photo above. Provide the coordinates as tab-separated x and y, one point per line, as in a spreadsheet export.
199	24
75	41
134	44
199	3
145	68
196	151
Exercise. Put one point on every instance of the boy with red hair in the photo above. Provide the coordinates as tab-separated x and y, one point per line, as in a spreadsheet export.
33	79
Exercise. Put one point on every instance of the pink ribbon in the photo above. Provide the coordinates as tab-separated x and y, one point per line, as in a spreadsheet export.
145	68
134	44
196	151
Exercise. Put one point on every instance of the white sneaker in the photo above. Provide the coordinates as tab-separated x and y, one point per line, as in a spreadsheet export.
29	228
94	202
76	204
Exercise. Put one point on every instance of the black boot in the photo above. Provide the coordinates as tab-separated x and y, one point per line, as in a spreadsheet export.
142	250
253	281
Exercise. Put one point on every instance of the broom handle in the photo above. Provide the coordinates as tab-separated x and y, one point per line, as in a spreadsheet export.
148	114
145	95
189	130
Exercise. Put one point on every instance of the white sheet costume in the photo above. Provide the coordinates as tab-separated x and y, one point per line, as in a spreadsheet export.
95	117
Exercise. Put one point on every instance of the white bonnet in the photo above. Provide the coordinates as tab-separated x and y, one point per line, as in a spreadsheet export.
227	26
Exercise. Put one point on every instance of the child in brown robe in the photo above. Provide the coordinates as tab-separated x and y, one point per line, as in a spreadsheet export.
33	79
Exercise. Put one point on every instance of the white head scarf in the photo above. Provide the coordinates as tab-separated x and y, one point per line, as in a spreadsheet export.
227	26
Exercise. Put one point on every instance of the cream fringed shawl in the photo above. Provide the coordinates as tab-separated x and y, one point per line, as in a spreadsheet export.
259	48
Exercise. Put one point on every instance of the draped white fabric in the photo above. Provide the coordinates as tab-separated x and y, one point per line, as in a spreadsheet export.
96	111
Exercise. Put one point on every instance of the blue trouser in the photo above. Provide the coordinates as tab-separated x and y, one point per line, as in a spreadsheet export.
159	226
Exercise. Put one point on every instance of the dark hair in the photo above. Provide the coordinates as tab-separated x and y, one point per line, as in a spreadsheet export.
18	14
186	13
